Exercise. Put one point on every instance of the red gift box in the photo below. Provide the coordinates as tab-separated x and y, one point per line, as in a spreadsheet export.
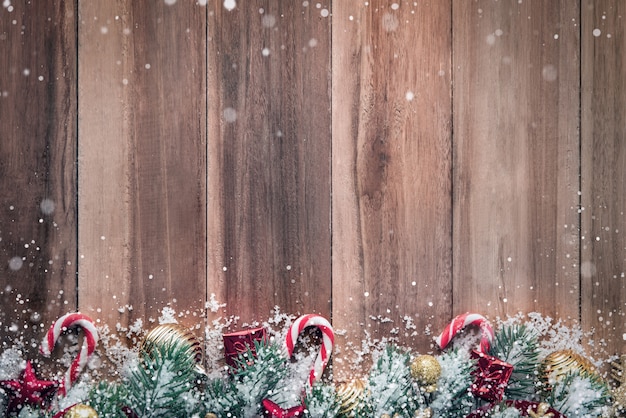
491	376
240	342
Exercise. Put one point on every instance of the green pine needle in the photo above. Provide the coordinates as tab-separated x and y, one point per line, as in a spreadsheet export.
163	382
518	346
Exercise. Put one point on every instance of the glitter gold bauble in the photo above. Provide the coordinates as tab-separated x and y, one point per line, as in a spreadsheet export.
426	370
559	363
423	413
350	395
166	335
619	400
542	411
210	415
80	411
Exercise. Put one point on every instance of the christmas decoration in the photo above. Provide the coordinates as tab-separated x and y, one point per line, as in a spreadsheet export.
240	342
423	413
426	370
462	321
562	362
27	391
89	345
618	373
522	407
80	411
350	395
542	411
328	339
172	333
271	379
491	376
273	410
518	346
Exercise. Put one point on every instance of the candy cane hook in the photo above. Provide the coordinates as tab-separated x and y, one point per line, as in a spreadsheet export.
89	345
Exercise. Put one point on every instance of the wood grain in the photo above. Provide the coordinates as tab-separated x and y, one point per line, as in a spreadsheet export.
269	159
603	265
142	160
37	168
391	172
516	157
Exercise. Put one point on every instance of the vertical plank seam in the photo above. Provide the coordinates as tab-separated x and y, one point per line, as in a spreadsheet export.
330	165
451	174
580	159
206	167
76	167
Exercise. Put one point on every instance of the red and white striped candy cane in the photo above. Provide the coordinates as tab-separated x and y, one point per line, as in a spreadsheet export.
462	321
89	345
328	339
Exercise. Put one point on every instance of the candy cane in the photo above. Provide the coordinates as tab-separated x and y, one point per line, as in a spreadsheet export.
462	321
89	345
328	339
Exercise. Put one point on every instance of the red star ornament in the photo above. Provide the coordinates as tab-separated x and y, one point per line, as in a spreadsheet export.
272	410
27	391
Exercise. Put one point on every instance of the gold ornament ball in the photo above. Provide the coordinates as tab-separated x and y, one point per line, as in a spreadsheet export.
426	370
166	335
423	413
559	363
619	399
350	395
210	415
80	411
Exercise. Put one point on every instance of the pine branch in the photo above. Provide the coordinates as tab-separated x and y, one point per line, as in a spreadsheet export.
453	397
390	384
108	399
517	345
163	383
579	395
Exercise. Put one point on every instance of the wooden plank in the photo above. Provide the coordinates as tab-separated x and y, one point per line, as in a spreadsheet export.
516	157
391	172
603	265
142	154
37	168
269	159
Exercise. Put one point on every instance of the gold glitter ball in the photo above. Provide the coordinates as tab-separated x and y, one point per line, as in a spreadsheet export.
350	395
423	413
619	399
559	363
426	370
80	411
166	335
210	415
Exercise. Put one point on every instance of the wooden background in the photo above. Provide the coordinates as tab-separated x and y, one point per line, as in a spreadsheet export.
385	164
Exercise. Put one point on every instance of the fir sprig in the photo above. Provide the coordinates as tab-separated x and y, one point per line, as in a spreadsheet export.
162	383
453	397
518	346
390	384
579	395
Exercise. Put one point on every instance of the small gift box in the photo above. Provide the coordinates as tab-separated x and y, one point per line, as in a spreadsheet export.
491	376
240	342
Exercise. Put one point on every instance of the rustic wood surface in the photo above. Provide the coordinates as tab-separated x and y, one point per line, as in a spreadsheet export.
516	157
391	172
603	265
37	168
269	159
385	164
142	177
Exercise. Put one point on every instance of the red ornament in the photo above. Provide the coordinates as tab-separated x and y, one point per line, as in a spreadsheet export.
27	391
272	410
491	376
240	342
